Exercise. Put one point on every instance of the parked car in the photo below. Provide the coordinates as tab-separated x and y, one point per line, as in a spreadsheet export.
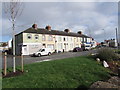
77	49
43	51
7	51
87	47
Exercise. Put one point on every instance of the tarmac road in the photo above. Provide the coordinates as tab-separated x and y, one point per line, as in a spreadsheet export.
29	59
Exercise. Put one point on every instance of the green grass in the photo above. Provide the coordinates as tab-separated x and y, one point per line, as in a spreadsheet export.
66	73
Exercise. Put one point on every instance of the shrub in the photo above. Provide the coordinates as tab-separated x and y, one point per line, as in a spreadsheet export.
107	54
118	52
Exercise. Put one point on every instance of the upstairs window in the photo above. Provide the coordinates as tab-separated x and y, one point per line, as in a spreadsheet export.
77	39
71	38
64	39
80	39
67	39
36	36
43	38
50	38
59	38
29	36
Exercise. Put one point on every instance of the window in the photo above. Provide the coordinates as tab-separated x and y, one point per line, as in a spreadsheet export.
59	39
83	40
77	39
80	39
71	46
59	45
67	38
42	50
50	38
51	46
36	36
64	39
88	39
29	36
71	38
43	38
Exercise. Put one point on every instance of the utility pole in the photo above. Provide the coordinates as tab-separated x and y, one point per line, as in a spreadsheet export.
117	37
14	70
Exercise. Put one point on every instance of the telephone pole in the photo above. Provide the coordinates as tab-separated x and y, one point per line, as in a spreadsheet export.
117	37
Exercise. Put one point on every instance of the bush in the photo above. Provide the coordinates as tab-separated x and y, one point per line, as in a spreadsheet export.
107	54
118	52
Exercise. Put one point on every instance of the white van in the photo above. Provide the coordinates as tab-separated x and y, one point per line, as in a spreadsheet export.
43	51
86	46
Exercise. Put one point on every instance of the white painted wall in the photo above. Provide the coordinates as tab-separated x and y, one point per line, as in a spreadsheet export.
10	43
66	45
30	48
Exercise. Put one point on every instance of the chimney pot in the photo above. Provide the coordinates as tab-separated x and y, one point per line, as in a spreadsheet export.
67	30
79	32
48	27
34	26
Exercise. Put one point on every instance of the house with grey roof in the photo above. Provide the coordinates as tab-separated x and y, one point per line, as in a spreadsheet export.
31	40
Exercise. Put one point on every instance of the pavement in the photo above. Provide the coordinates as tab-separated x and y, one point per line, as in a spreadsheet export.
30	59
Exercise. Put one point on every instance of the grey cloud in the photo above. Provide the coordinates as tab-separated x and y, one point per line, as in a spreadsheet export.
84	16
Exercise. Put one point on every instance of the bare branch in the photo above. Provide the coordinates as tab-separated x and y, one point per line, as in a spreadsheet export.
13	9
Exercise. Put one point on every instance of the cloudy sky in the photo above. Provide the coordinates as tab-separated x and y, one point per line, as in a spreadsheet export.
96	19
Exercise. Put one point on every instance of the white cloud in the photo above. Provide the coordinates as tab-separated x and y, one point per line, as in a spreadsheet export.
83	16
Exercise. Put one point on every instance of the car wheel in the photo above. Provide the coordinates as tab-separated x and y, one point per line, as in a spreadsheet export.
49	53
39	55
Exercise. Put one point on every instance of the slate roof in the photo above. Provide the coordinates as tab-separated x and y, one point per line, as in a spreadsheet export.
53	32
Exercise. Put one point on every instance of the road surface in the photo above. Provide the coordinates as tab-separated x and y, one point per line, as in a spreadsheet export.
29	59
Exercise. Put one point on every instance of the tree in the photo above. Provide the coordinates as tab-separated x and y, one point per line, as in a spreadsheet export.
4	44
13	9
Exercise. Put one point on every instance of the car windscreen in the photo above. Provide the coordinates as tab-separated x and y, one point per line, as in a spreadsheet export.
87	46
42	50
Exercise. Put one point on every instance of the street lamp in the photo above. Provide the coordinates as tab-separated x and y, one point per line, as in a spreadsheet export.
117	37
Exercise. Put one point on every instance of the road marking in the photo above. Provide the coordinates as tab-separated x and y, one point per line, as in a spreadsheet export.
44	60
39	61
47	60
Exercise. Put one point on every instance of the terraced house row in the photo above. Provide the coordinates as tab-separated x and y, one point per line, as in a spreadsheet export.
34	38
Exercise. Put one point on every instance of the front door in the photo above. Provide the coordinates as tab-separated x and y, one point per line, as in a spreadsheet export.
65	46
24	50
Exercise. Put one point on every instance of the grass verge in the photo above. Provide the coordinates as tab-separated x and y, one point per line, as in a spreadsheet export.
77	72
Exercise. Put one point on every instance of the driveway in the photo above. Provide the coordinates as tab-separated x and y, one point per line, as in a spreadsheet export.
57	56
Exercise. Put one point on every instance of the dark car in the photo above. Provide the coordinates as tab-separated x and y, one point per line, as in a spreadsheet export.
5	51
77	49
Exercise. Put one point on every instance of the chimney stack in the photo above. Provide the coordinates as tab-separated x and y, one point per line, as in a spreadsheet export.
67	30
48	28
34	26
79	32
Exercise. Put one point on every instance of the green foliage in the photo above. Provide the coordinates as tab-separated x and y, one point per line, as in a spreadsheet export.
107	54
66	73
118	51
